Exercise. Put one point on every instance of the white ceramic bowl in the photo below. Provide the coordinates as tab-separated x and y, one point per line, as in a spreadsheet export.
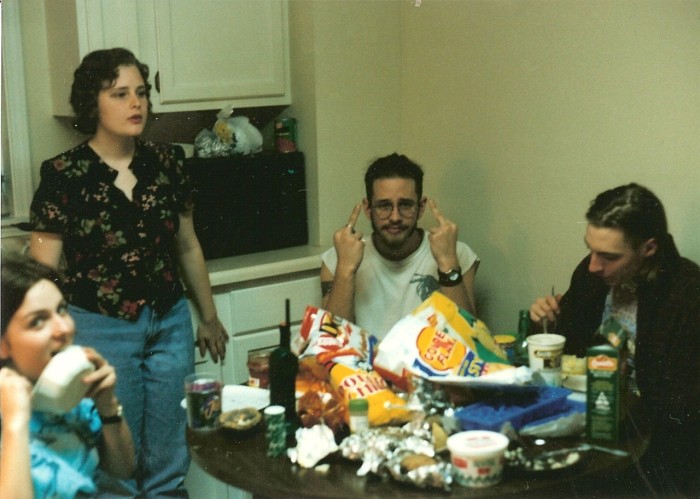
60	386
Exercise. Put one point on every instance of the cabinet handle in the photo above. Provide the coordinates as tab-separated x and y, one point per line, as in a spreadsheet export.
157	80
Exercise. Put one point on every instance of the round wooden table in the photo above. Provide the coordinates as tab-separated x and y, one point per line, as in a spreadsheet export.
240	459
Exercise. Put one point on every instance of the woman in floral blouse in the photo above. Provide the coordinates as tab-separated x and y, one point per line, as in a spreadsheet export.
119	210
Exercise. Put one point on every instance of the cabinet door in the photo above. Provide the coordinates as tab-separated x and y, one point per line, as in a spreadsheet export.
262	307
213	52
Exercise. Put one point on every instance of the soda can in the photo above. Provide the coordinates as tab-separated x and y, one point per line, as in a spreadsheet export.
203	397
286	134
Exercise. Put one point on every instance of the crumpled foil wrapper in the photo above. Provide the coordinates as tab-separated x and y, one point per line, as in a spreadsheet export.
430	396
381	451
437	475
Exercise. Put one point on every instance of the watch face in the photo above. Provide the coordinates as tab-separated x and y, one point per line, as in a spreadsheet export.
451	278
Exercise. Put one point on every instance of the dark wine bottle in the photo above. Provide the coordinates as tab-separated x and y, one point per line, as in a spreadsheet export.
284	366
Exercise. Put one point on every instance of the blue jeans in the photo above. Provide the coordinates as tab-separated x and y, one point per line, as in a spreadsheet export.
152	356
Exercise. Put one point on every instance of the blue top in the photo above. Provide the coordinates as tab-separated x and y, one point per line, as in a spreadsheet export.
63	448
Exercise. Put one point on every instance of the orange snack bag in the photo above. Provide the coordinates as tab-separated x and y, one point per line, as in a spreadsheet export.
317	400
329	338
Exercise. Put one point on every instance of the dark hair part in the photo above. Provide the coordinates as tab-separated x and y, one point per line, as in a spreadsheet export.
18	275
634	210
393	166
97	71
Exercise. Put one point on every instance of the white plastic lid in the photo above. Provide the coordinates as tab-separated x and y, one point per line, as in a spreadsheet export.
477	443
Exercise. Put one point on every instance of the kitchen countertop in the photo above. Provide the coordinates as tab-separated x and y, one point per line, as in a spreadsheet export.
241	268
231	270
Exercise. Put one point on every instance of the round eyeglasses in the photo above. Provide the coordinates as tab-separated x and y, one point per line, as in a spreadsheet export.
384	209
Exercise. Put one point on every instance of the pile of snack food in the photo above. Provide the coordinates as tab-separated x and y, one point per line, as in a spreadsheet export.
338	362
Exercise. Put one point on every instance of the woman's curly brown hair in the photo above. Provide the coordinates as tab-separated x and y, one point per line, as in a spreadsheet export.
97	71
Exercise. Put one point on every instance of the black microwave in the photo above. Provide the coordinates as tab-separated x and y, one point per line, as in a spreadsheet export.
249	203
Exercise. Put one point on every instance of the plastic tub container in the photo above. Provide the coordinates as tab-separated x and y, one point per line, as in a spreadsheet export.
517	407
478	457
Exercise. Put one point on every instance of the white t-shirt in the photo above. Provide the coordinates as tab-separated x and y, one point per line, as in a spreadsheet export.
386	290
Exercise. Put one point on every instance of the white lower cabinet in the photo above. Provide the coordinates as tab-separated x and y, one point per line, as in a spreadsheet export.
251	311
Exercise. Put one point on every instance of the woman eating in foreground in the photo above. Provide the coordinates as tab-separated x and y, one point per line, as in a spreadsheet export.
44	454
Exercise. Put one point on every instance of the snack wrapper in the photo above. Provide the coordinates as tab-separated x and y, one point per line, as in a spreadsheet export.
332	340
385	406
438	339
334	349
317	401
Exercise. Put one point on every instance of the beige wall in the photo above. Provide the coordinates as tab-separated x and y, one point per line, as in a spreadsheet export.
47	136
346	91
519	110
523	111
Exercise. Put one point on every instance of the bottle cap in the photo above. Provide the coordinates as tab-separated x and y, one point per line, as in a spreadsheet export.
358	405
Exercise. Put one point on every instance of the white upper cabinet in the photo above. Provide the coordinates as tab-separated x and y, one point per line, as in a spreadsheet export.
202	54
211	52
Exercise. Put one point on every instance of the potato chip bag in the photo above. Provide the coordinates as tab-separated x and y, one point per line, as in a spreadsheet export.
385	407
438	339
329	338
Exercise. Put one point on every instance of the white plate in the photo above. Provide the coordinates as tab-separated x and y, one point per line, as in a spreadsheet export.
240	396
508	377
576	382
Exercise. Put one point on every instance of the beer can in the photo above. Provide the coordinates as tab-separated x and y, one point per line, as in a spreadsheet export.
286	134
203	395
275	430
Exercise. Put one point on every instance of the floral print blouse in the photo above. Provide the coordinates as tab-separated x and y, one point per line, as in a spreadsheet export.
119	252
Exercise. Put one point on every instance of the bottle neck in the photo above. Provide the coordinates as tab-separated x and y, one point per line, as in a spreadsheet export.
285	336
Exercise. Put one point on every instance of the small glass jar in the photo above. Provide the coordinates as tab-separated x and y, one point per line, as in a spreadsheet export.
259	369
359	420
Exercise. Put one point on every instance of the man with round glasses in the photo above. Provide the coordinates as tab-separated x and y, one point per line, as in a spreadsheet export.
375	281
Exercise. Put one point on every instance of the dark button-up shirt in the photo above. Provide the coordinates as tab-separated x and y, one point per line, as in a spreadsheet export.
119	252
667	358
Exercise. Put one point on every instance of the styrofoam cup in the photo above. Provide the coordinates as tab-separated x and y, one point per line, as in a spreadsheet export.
545	351
478	456
60	386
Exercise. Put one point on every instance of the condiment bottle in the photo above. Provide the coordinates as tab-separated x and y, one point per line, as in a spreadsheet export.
358	409
284	366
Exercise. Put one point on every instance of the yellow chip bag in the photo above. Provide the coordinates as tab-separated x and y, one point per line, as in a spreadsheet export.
385	407
438	339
